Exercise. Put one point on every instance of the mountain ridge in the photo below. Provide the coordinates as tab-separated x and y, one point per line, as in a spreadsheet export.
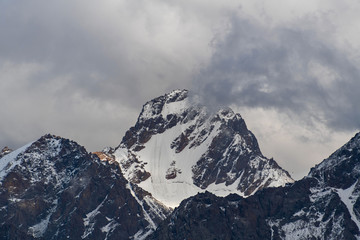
323	205
53	188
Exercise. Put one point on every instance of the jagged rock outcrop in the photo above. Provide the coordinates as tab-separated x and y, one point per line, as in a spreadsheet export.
323	205
178	148
54	189
5	151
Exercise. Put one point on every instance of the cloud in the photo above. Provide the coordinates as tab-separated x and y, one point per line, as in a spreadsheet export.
292	74
110	50
82	69
296	67
296	147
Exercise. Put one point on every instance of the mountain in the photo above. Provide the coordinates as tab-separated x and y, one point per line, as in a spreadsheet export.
178	148
53	188
323	205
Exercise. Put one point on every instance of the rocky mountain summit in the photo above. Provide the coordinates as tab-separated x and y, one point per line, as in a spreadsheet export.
178	148
54	189
323	205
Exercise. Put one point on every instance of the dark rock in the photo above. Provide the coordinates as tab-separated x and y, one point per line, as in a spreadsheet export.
324	205
60	191
5	151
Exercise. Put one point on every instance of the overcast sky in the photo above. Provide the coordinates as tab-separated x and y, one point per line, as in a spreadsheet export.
82	69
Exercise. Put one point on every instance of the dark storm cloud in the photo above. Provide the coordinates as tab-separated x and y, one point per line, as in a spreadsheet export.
295	67
83	69
51	35
107	51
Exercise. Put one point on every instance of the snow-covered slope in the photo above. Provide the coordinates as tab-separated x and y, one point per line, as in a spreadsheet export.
10	160
178	148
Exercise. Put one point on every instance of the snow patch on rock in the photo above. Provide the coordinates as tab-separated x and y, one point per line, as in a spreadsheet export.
9	161
348	197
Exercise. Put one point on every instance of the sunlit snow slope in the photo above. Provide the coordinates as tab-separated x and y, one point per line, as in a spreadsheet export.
178	148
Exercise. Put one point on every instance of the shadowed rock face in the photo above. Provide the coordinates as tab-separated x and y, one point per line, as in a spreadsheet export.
344	165
217	148
57	190
281	213
324	205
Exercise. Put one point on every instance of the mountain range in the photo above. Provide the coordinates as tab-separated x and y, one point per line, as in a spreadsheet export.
182	171
323	205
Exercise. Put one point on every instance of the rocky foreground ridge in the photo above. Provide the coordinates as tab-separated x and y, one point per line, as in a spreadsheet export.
54	189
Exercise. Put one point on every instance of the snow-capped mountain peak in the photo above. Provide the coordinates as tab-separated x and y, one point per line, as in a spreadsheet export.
178	148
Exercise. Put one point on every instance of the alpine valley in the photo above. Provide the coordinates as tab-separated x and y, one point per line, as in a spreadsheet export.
181	172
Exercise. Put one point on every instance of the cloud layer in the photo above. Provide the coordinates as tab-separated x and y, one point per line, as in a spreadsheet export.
294	67
296	76
83	69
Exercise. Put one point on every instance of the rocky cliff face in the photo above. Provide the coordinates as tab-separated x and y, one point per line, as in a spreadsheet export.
54	189
324	205
178	148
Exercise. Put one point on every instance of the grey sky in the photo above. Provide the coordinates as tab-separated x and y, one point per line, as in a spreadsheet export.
82	69
290	67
